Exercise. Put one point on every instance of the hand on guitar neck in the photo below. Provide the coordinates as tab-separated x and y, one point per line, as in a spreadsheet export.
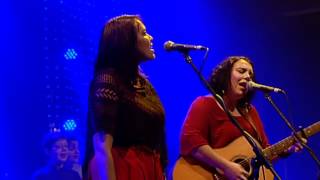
294	148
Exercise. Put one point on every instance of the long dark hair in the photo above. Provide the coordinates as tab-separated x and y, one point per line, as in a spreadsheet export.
219	80
117	45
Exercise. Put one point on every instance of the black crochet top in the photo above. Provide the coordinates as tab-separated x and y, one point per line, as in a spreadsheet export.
131	112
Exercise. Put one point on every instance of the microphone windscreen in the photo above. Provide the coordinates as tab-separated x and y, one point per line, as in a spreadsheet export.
168	45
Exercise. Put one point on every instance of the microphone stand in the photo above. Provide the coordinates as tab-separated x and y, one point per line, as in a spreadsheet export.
294	131
260	158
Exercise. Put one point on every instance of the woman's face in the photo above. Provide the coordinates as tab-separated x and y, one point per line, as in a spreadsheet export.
144	44
241	74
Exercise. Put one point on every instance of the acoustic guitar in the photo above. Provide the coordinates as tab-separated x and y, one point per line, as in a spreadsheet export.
238	151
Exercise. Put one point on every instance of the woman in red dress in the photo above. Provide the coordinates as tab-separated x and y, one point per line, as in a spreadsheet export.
207	126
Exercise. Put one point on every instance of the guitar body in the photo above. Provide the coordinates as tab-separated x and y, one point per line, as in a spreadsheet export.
236	151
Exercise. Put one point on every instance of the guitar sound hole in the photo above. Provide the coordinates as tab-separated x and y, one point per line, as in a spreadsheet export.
244	163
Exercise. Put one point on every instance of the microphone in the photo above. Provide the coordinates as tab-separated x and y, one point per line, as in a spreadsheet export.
252	85
171	46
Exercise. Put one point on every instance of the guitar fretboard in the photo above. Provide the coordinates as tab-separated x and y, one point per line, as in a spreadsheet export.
273	151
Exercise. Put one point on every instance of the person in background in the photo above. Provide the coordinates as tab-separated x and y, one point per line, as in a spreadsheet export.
126	129
55	146
73	161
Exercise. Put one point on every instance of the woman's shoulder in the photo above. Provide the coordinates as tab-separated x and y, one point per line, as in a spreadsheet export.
108	76
106	85
208	100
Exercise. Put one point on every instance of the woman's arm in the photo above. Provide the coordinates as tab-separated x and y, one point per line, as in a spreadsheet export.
230	169
103	166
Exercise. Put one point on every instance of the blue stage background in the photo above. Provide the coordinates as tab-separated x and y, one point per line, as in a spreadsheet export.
40	87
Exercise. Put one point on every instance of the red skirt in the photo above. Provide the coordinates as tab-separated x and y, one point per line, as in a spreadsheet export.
135	163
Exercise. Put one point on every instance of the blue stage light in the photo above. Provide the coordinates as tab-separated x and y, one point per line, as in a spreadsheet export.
70	54
69	125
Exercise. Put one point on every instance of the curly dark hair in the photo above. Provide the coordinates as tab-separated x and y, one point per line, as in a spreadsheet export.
219	79
117	45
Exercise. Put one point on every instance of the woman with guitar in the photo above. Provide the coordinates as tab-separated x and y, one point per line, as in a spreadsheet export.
210	140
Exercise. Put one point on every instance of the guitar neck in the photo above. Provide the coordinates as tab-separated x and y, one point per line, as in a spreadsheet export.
273	151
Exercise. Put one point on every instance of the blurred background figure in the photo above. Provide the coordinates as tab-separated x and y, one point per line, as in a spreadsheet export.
73	161
55	145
